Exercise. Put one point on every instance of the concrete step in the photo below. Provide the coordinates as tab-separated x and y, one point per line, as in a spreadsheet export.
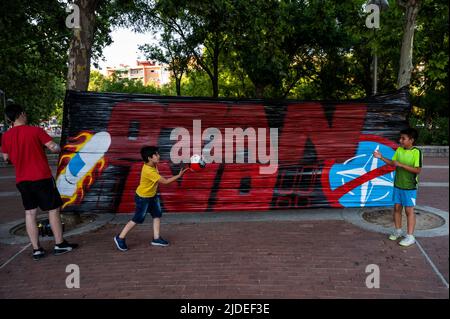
434	151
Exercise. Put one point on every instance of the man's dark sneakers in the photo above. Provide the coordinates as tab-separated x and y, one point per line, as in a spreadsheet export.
120	243
63	248
160	242
38	253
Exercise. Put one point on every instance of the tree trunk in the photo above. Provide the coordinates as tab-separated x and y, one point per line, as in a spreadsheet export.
215	85
215	78
411	8
259	90
178	85
81	47
79	65
368	77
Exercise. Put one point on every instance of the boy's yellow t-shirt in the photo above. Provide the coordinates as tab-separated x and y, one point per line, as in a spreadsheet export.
148	184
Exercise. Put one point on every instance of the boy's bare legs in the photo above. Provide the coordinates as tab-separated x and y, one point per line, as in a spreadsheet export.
157	239
409	239
129	226
156	227
55	222
411	217
32	229
398	216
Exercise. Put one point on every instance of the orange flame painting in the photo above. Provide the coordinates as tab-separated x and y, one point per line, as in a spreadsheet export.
71	152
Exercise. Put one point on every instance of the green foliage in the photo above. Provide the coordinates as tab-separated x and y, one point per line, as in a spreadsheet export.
170	51
196	84
431	133
34	43
33	54
200	25
237	48
430	77
100	83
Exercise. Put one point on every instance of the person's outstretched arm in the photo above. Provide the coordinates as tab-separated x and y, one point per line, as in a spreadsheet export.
166	181
377	154
5	151
53	147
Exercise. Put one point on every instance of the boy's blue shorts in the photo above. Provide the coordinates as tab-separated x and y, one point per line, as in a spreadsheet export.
405	197
146	205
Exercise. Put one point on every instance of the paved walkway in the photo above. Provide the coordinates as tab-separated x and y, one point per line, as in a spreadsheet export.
235	257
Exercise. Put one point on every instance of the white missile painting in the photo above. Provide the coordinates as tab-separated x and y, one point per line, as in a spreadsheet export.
82	162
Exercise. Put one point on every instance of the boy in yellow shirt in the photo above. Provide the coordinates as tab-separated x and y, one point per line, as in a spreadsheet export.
147	198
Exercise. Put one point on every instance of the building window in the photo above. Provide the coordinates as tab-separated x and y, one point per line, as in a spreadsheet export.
135	72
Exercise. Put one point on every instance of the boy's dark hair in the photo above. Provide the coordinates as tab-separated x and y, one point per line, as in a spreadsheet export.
148	151
411	132
13	111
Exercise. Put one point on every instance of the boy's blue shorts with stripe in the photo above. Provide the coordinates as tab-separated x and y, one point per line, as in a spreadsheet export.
405	197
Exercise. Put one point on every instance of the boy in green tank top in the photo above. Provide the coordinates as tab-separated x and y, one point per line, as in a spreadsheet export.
408	164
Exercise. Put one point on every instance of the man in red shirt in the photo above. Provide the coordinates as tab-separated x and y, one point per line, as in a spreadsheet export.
23	146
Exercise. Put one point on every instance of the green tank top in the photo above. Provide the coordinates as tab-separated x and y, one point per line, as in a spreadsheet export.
411	157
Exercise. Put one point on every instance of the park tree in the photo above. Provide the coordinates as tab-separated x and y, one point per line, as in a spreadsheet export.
91	22
257	36
200	25
281	42
274	49
84	27
171	51
354	61
429	79
411	8
33	55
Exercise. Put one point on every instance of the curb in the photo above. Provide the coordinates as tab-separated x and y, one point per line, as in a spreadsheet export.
240	216
351	215
434	151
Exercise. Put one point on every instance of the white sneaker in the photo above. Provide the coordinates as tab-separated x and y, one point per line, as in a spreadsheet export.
407	241
396	234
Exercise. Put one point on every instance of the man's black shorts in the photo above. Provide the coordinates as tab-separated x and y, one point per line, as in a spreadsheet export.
42	193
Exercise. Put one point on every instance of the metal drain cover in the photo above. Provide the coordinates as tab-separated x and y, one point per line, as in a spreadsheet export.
20	229
384	217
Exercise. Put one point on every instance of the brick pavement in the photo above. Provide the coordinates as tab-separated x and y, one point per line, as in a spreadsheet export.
302	259
436	197
321	259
